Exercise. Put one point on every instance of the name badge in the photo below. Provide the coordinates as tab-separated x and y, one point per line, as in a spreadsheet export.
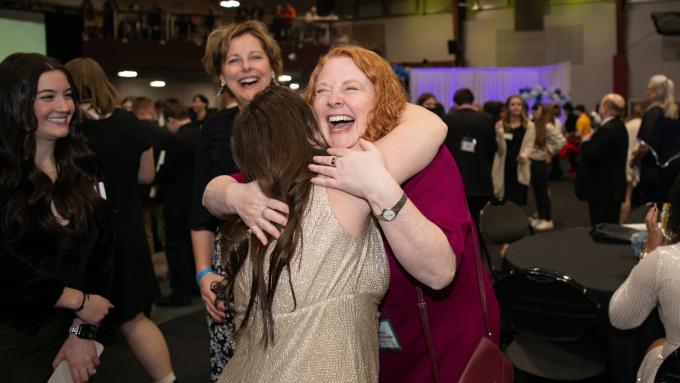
507	136
161	160
388	337
468	145
101	189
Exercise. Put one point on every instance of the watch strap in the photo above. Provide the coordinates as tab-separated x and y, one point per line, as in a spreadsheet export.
395	209
84	331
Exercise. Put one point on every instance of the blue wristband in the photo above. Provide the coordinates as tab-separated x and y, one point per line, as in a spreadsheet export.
201	274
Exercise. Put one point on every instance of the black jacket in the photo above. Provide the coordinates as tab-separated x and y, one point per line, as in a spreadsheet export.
475	168
176	175
601	175
212	159
35	269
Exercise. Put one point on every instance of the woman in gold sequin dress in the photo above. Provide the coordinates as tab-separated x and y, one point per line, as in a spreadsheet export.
306	304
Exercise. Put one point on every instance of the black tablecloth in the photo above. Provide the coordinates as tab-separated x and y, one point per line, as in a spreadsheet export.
595	265
601	268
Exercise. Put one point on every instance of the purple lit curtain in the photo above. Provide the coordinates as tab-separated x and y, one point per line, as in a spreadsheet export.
487	84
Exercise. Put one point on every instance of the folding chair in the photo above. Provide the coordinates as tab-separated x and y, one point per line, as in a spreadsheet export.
557	327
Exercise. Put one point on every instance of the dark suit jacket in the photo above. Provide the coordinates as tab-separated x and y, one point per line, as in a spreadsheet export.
601	174
176	175
475	168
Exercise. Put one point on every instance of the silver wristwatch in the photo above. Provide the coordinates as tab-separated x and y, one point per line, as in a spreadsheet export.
390	213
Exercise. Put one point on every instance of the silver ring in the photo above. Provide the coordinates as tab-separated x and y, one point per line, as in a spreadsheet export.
92	372
333	159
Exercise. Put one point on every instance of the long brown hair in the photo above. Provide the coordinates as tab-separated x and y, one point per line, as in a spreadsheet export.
541	125
270	144
389	96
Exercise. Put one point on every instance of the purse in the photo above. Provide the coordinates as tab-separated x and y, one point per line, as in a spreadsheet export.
611	232
487	364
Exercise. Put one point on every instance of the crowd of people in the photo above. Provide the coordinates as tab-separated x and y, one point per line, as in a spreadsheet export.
331	235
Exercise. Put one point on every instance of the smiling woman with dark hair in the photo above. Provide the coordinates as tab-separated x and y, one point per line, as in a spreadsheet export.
55	232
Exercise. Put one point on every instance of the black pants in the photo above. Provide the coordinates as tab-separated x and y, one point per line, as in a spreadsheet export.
608	212
540	174
180	257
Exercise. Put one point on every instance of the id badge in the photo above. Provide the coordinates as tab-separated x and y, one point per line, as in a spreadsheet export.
468	144
388	337
101	190
507	136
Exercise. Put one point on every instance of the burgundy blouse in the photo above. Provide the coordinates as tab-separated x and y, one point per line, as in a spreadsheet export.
455	314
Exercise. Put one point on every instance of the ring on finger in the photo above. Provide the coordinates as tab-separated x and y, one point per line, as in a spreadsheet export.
92	371
333	159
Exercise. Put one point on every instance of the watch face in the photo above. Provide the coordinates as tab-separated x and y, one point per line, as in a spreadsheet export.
85	331
389	214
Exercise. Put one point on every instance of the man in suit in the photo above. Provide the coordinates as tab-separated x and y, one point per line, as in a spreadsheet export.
472	141
601	174
176	177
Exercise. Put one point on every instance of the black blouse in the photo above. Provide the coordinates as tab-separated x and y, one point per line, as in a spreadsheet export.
35	269
213	158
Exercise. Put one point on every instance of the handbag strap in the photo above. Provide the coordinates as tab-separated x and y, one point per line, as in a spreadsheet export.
425	323
422	307
482	290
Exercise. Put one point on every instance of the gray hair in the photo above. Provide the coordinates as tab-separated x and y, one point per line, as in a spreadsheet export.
664	97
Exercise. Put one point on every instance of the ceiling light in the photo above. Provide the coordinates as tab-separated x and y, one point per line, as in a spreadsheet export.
157	84
229	4
127	73
285	78
294	86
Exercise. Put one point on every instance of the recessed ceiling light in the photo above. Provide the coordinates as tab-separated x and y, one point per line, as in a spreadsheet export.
157	84
229	4
285	78
294	86
127	73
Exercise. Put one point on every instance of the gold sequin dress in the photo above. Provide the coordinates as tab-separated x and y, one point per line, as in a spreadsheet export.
332	334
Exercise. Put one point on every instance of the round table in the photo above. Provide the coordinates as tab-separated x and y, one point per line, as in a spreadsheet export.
600	267
595	265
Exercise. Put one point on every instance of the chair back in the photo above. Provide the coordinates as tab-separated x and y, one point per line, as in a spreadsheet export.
504	223
546	305
669	371
638	214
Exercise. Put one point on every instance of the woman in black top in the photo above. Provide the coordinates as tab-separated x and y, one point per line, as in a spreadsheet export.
123	147
244	58
55	231
659	137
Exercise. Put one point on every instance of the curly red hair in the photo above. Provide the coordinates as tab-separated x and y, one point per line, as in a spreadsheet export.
390	97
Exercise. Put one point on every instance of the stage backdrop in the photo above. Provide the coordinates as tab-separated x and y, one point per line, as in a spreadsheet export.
487	84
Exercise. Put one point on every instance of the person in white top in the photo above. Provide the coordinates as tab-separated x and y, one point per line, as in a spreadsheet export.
548	140
654	282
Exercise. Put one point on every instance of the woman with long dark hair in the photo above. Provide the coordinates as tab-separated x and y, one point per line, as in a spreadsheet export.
55	231
292	296
547	142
